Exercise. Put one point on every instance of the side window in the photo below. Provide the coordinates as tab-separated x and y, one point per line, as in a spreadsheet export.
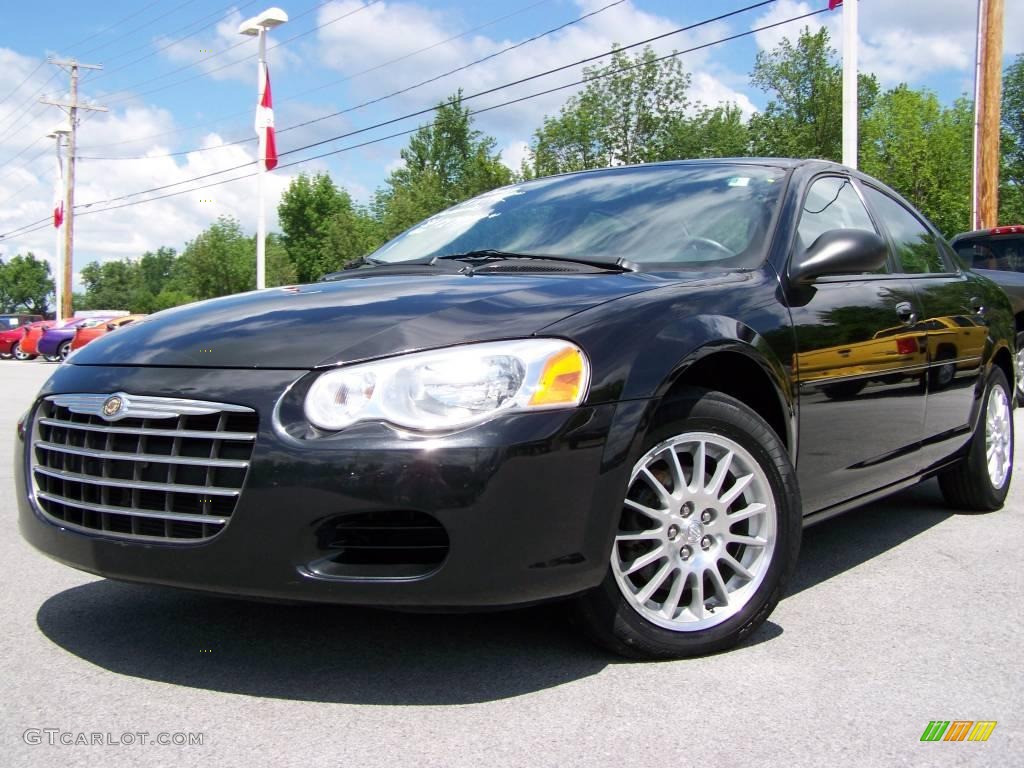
916	250
831	203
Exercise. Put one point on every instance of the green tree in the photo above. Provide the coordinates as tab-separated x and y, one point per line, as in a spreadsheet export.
306	209
444	163
1011	188
922	150
632	110
25	284
219	261
114	285
804	114
713	132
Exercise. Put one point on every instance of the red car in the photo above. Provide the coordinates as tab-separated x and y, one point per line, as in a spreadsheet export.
13	340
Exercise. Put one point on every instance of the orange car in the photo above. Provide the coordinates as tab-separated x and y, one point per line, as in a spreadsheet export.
33	333
84	335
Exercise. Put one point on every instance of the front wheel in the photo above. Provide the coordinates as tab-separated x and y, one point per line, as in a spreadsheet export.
707	537
981	481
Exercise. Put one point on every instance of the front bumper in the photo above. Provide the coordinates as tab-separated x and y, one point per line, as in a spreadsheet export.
529	502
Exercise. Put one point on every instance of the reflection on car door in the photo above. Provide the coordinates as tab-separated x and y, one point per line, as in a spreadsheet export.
859	365
956	330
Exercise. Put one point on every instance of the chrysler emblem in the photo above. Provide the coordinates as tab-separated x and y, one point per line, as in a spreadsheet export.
112	406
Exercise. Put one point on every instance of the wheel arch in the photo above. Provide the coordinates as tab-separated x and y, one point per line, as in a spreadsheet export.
739	370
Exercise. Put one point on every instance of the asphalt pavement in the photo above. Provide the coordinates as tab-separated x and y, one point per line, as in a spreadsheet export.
901	613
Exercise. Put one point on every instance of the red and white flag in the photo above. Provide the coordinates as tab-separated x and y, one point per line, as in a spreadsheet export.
58	195
265	121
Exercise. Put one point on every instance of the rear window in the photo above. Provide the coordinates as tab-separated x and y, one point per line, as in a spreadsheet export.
1004	253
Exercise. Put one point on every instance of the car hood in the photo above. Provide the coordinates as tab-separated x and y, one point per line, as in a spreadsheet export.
327	323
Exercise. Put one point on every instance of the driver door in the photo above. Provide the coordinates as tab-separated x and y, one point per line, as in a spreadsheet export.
859	367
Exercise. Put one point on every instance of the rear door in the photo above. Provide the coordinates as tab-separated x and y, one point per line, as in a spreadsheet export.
859	364
953	320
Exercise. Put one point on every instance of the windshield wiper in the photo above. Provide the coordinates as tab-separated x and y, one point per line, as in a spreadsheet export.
491	254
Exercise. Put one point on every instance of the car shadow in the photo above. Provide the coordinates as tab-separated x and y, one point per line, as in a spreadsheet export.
366	656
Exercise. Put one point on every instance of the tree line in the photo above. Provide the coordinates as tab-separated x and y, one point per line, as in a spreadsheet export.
633	109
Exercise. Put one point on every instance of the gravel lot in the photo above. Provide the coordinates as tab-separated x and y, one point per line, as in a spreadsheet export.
901	613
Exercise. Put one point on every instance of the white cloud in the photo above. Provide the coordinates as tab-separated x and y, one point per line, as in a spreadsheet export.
213	52
904	41
514	153
389	30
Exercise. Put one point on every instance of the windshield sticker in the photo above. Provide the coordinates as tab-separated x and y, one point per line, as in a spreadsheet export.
739	181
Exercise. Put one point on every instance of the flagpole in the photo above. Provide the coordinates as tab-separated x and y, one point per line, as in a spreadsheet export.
257	26
850	114
57	260
58	255
261	214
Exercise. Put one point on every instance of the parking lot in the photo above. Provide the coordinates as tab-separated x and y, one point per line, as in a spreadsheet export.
900	613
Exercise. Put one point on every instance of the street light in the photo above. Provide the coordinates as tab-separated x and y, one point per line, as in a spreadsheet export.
59	194
257	26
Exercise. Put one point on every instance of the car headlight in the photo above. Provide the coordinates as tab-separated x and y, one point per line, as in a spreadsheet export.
451	388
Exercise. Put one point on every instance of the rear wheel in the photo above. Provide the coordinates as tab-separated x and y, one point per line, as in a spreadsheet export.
708	535
981	481
64	350
1020	368
19	354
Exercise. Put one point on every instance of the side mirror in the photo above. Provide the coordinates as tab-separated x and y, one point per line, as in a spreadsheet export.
839	252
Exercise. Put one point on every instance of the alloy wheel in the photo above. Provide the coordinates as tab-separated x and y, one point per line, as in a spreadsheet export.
19	354
998	437
697	532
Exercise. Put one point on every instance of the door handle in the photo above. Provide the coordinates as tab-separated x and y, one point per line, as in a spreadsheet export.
905	312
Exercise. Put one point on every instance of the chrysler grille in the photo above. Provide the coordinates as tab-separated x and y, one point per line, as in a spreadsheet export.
130	466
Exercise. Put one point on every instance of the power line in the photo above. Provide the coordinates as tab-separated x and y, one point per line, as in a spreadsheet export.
130	92
462	99
328	84
674	54
188	28
103	31
379	99
178	6
18	86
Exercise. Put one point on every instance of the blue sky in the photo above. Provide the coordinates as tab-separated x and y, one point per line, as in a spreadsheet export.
172	87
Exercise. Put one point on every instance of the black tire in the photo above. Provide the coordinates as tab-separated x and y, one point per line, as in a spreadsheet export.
612	621
18	354
63	351
6	355
968	485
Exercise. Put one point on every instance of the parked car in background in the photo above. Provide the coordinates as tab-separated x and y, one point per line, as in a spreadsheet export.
87	333
55	343
28	347
998	254
10	338
586	386
10	322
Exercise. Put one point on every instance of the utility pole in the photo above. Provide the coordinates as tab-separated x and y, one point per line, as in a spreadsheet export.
71	107
988	86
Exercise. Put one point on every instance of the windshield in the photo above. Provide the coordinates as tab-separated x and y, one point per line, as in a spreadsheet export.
687	216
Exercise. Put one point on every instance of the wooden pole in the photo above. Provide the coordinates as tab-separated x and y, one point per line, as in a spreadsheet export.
72	106
989	94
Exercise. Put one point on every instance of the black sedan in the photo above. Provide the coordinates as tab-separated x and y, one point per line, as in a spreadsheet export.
630	387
